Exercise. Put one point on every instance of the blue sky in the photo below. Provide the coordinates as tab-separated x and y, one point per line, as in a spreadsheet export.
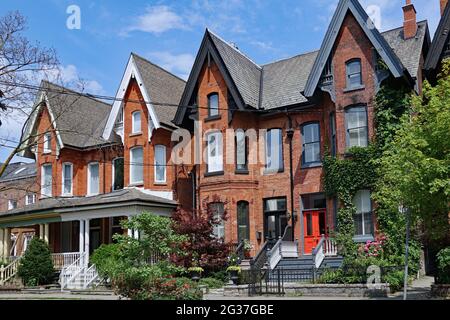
169	32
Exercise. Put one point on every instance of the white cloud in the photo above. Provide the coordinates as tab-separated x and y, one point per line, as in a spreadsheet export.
157	19
266	46
179	64
69	76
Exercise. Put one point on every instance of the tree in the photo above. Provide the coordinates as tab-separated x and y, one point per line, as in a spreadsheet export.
36	266
415	167
201	247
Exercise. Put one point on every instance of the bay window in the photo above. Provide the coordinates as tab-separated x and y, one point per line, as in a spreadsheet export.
214	152
274	150
93	179
137	165
218	210
160	164
241	151
243	221
118	165
67	178
46	180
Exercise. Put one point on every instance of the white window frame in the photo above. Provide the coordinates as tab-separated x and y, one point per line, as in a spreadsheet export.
89	186
161	148
64	179
273	150
219	229
363	141
215	163
27	200
46	195
133	164
47	143
135	125
12	204
361	193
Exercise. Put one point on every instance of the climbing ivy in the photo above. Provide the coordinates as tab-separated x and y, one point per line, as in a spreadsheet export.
359	169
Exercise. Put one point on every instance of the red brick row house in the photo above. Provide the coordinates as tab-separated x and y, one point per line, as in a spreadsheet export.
254	137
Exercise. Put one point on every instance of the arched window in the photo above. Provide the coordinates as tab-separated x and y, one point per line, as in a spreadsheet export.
160	164
356	126
137	165
354	74
213	105
214	152
136	122
243	221
311	144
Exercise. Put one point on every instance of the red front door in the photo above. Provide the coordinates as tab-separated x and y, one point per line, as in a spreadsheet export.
314	223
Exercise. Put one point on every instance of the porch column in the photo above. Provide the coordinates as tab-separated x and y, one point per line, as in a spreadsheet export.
2	243
41	231
7	242
46	232
130	231
86	240
81	237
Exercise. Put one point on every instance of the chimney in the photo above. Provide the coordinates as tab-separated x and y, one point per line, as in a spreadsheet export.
443	5
409	22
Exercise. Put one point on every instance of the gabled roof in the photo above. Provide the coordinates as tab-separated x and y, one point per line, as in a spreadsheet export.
440	40
380	44
77	119
158	86
19	170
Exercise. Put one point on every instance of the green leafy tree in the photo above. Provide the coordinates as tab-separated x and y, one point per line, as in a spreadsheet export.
36	266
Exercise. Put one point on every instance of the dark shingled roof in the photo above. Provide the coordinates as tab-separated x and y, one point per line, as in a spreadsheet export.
126	196
162	86
409	50
19	170
245	73
79	119
284	81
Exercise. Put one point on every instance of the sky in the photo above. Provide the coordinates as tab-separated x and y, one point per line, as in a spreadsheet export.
97	46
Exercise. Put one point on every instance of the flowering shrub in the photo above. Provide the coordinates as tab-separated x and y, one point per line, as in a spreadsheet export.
373	248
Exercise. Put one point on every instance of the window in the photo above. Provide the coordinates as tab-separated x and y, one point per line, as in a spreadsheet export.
356	125
136	122
46	180
333	133
313	201
12	204
120	116
160	164
214	152
218	211
354	76
274	150
311	144
137	165
118	165
67	177
93	179
243	221
241	151
363	217
213	105
47	142
30	199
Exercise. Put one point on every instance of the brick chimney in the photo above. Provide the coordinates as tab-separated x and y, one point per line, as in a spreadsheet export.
409	21
443	5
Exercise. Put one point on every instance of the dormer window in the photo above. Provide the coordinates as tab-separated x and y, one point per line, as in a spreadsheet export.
213	105
354	74
136	122
47	142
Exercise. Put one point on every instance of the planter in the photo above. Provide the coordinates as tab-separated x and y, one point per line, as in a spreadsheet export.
247	254
196	275
234	276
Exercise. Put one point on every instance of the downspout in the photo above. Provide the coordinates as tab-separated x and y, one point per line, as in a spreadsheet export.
290	135
194	187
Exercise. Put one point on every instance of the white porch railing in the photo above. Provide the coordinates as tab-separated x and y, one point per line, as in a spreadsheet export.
89	276
61	260
8	272
70	273
326	247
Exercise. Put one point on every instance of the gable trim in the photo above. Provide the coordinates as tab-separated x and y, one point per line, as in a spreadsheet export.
130	72
207	50
439	40
380	44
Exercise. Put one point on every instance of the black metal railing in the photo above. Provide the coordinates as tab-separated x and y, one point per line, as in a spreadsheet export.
261	283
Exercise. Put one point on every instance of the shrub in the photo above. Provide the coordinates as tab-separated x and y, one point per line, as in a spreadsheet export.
212	283
443	266
395	279
107	260
219	275
36	266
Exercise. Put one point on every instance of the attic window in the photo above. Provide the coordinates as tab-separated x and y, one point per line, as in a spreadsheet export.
47	142
354	74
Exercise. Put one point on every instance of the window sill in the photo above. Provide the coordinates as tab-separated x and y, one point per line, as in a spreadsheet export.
66	195
214	174
135	134
136	184
213	118
363	239
241	171
163	184
273	171
361	87
46	152
311	165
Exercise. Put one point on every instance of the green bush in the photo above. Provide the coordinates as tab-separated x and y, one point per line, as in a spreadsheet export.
443	266
395	279
107	260
212	283
219	275
36	266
